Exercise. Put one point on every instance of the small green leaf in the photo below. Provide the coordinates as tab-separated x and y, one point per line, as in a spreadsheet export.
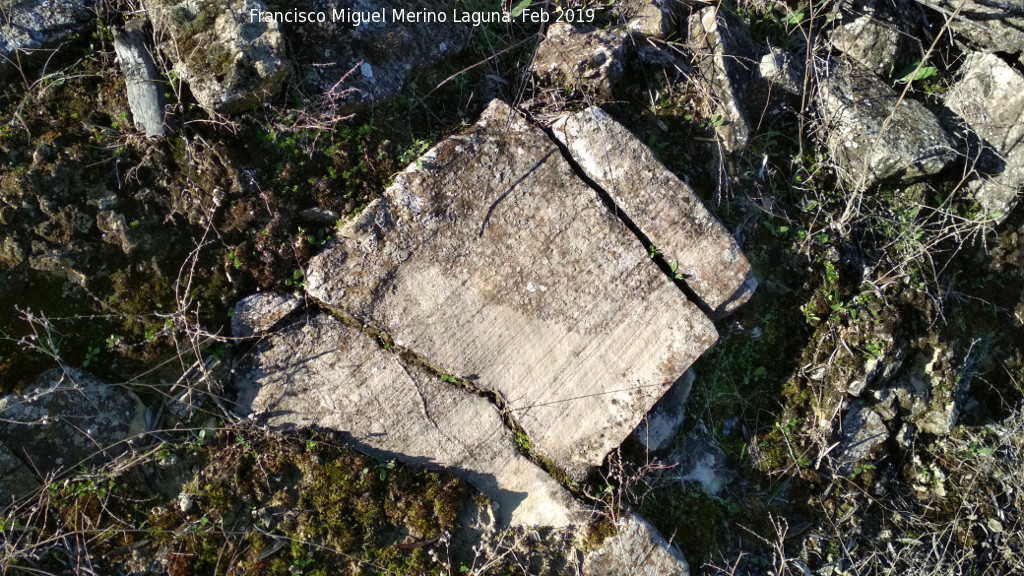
912	73
518	10
794	18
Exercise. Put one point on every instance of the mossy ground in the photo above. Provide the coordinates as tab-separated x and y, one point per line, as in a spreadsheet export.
259	504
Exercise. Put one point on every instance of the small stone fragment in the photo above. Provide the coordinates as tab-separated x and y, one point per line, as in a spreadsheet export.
145	86
257	314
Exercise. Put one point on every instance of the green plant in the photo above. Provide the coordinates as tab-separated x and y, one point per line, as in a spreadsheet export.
91	354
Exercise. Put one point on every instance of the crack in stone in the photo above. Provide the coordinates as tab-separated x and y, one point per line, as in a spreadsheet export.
611	206
495	397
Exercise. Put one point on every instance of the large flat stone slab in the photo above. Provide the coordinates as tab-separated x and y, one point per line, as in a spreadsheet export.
661	205
491	258
316	371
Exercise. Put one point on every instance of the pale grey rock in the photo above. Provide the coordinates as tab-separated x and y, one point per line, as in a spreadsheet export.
638	549
590	61
782	71
654	18
318	215
66	418
115	230
861	433
990	26
231	63
657	430
699	458
316	371
27	26
725	57
59	263
493	260
664	208
144	85
906	436
854	106
357	66
868	40
257	314
989	99
936	380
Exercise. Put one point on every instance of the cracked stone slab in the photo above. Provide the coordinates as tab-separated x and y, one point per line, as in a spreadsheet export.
492	259
317	371
661	205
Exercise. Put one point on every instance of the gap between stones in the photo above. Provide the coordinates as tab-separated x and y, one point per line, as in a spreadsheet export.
611	206
524	444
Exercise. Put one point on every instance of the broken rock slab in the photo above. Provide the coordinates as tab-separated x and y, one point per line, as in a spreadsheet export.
30	25
989	100
872	133
67	417
317	371
231	63
664	209
590	61
144	85
492	259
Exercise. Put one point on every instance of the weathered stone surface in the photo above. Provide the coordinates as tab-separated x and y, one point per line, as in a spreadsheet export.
491	258
665	209
657	430
724	59
870	136
991	26
654	18
15	477
257	314
867	40
67	417
638	549
317	371
379	55
231	63
591	61
861	432
28	25
115	230
145	86
989	98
